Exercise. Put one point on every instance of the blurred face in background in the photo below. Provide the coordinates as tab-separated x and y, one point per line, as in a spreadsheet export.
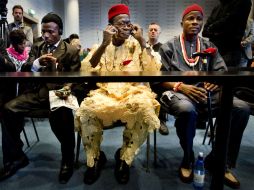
18	15
154	31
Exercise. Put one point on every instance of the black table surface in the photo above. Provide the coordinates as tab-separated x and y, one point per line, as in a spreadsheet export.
236	77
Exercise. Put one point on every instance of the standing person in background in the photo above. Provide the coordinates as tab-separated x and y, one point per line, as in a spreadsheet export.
225	28
246	43
17	13
154	31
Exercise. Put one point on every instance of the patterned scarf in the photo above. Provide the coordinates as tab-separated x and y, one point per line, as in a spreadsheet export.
20	57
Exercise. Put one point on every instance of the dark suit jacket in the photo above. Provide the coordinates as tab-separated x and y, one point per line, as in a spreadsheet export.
226	24
67	58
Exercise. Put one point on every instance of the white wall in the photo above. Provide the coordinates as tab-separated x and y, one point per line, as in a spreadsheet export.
71	10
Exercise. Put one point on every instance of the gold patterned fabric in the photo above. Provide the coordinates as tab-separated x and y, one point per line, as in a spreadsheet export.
132	103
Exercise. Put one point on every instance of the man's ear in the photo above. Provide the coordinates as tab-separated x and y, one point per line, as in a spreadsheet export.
181	24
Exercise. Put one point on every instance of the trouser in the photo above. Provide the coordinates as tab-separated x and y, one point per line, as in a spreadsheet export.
186	113
139	120
61	121
132	140
239	120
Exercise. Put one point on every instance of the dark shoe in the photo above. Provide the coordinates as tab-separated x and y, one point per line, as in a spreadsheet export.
186	174
163	128
122	169
186	169
11	168
93	173
231	180
65	173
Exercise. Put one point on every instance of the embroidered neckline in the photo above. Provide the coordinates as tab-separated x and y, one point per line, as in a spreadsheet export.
125	45
190	61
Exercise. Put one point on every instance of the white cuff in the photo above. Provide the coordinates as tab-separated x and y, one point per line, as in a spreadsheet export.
36	65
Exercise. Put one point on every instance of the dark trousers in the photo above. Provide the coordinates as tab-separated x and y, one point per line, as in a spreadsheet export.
186	113
61	121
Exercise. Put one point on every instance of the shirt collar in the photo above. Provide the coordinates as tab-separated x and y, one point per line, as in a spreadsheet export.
56	44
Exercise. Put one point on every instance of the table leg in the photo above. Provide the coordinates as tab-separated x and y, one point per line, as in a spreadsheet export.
222	137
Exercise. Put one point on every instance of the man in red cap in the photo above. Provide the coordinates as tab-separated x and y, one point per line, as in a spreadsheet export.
123	49
187	100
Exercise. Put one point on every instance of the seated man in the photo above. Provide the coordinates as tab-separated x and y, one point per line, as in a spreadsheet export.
50	55
123	49
186	101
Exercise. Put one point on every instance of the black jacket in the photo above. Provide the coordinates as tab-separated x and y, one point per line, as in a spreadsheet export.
226	25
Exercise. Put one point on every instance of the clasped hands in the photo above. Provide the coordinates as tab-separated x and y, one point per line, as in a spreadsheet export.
48	60
198	93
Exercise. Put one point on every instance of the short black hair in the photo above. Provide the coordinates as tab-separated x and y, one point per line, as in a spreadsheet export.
73	36
17	37
53	17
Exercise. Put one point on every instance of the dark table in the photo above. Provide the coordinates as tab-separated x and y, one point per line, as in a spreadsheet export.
237	77
228	80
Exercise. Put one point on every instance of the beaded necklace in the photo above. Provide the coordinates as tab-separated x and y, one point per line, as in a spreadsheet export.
190	61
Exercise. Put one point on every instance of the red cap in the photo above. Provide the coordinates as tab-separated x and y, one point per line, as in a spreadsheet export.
194	7
117	10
